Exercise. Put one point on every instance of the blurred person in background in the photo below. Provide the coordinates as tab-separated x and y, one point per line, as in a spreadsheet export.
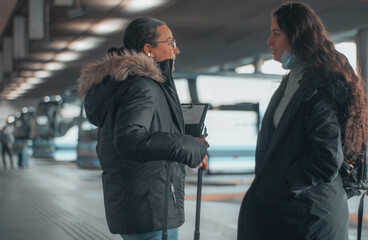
7	142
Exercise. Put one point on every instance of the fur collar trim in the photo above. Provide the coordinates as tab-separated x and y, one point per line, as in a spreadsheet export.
118	68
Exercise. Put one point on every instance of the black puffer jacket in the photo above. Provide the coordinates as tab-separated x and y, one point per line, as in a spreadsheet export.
134	103
297	193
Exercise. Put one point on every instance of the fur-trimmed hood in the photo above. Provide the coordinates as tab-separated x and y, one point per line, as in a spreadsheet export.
99	81
118	68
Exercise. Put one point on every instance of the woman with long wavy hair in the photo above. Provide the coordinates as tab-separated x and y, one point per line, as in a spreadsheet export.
316	118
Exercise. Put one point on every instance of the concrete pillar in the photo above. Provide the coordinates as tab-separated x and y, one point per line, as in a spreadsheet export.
362	54
20	37
7	54
1	68
36	19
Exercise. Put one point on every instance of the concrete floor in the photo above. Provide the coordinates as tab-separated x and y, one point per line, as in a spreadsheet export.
59	201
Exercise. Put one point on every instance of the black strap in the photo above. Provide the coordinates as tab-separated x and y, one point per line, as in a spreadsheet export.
167	195
360	215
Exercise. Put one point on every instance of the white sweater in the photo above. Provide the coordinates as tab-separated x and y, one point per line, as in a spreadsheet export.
295	75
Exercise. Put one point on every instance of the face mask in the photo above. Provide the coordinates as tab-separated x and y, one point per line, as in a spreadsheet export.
287	59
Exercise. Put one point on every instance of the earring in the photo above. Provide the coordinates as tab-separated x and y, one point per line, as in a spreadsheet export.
149	54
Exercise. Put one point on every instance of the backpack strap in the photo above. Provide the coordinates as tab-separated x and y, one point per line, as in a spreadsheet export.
360	215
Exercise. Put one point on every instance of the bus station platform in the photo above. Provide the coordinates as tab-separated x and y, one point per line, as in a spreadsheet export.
59	201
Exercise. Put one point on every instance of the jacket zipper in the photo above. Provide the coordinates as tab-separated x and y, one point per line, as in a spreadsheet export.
172	189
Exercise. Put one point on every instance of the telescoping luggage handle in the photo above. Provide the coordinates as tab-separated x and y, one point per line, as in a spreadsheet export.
199	197
194	116
360	215
198	203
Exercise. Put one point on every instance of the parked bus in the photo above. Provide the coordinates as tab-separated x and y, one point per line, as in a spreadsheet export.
87	141
56	128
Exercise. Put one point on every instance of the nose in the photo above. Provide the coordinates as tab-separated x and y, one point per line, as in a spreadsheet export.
176	51
269	41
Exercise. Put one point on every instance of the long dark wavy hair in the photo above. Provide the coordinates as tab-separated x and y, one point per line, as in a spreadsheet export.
309	41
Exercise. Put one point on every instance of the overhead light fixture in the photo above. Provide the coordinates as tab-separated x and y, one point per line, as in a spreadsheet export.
32	65
76	26
43	56
67	56
53	66
19	80
58	45
43	74
64	3
34	80
27	86
110	26
142	5
86	44
27	73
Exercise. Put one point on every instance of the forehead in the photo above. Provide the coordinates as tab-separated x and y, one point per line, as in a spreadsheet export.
164	32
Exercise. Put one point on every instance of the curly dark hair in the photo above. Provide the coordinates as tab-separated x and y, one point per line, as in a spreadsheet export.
309	41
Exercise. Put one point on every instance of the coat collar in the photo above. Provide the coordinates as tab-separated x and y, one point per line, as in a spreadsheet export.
171	94
118	68
307	89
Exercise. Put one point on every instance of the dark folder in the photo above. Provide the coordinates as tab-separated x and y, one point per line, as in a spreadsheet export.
194	116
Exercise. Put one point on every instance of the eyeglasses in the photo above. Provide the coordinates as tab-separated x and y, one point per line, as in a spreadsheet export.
171	42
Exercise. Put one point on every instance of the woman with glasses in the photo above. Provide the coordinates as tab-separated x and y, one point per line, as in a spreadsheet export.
130	95
316	119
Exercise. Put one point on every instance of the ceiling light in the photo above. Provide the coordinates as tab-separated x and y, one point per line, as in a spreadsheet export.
44	56
27	73
142	5
64	3
32	65
19	80
27	86
34	80
77	26
54	66
110	25
43	74
12	85
67	56
86	44
58	45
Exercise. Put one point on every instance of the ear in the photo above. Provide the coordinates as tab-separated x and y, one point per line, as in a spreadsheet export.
147	49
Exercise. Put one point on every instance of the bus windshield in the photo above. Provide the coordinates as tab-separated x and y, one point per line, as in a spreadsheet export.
45	120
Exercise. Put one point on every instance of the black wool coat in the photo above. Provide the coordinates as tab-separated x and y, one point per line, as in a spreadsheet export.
297	192
134	103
